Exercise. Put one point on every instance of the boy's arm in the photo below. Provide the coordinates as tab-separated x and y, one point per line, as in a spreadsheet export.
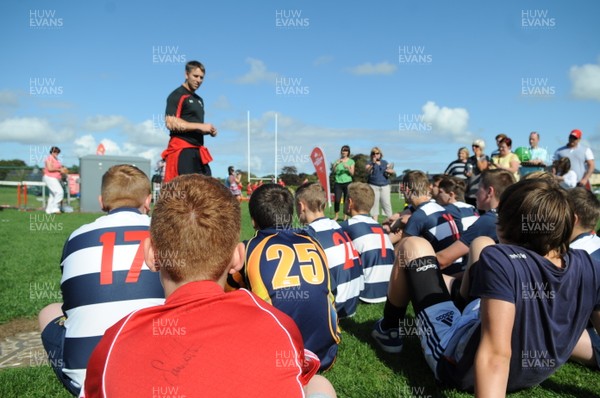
492	360
452	253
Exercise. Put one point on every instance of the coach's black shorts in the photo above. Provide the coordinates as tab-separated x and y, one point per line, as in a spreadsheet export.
189	162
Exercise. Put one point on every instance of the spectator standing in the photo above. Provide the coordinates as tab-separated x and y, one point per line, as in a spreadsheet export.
342	170
506	159
581	157
476	164
379	171
498	138
53	171
538	156
457	168
234	183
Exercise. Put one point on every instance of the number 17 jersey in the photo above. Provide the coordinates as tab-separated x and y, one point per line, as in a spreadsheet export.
288	269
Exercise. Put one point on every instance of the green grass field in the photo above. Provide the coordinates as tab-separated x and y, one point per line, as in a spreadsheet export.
29	279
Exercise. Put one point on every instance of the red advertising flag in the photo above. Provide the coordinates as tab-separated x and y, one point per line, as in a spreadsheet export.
318	159
100	150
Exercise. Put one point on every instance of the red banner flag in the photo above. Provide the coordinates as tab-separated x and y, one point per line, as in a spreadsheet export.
100	150
318	159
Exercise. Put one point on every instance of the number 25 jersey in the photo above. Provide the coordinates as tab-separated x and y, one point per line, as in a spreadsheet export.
288	269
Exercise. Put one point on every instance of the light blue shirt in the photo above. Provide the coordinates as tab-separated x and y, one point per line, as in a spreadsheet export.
539	153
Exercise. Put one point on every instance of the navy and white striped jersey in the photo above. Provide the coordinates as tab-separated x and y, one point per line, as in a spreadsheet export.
434	223
376	254
464	215
347	279
590	242
104	278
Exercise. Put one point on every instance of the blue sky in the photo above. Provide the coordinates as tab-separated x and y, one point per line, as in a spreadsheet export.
417	79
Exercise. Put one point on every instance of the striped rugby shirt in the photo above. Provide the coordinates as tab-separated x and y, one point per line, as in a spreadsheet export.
347	279
104	278
376	254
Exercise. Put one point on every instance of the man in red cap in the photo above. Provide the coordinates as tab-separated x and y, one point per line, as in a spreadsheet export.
581	157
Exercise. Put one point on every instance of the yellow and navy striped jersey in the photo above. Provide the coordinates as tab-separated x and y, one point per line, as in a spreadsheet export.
288	269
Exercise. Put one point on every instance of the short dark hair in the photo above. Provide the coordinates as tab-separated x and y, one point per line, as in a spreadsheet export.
191	65
506	141
535	214
586	206
497	178
313	195
562	165
416	182
271	206
124	185
362	196
453	184
54	149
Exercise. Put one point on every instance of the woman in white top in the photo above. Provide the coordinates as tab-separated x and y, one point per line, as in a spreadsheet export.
566	177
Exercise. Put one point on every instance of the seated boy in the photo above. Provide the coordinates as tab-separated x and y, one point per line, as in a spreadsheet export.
202	341
526	321
492	184
587	214
104	276
347	279
451	196
288	269
373	245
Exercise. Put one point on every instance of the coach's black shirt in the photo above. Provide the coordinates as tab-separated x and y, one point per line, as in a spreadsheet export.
188	106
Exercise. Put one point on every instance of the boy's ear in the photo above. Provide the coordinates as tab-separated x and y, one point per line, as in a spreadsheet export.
300	206
350	203
147	203
101	203
237	258
149	256
492	192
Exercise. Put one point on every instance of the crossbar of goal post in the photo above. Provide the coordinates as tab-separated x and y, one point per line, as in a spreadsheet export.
249	152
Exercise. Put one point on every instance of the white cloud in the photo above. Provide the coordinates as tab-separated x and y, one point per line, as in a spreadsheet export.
87	145
222	102
147	134
104	122
258	73
32	130
382	68
8	98
322	60
446	120
586	81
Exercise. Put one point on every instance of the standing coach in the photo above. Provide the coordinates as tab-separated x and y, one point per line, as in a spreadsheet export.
184	117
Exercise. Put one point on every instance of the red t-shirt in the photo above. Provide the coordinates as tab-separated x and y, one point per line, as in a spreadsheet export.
202	342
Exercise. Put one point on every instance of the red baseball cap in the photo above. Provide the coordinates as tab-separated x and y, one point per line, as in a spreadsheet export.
576	133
